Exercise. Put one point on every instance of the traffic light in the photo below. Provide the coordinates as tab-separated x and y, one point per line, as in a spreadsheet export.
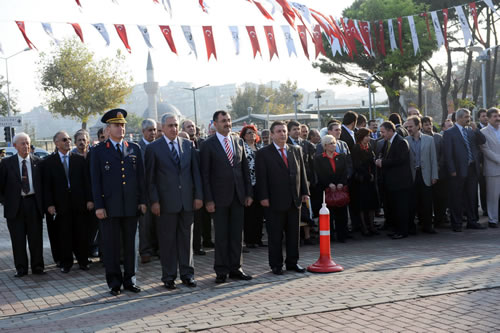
8	134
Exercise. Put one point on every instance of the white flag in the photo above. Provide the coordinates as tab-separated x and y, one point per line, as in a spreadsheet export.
189	39
145	35
167	6
1	49
414	35
303	9
236	37
464	24
48	29
437	29
492	7
289	40
102	30
392	37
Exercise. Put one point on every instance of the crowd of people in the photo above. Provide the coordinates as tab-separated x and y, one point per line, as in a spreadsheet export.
173	185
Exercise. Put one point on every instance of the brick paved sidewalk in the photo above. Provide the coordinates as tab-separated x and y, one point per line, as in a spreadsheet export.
379	272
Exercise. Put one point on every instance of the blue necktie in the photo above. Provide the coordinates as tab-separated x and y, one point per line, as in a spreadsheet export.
467	144
175	154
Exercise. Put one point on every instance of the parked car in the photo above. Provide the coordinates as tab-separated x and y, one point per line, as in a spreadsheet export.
9	151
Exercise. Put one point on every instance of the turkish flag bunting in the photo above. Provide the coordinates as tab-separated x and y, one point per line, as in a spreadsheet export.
427	23
318	41
167	33
120	29
203	6
288	12
78	3
254	40
78	30
400	29
381	39
156	1
209	41
262	10
367	38
473	11
303	39
20	25
271	42
445	31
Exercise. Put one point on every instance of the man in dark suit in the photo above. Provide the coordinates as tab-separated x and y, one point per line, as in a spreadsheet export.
396	179
348	126
282	187
148	240
373	127
461	150
308	149
395	118
117	174
226	190
22	196
174	186
68	197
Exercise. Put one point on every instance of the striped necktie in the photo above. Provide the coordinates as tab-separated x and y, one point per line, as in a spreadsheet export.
175	154
229	152
467	144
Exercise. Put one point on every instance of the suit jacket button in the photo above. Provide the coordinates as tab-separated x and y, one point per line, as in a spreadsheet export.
122	162
123	169
180	187
103	195
123	176
124	183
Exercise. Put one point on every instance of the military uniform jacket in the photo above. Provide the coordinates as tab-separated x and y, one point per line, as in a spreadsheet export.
117	182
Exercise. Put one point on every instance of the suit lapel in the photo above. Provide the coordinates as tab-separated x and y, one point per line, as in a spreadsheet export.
220	150
292	163
277	155
112	149
15	166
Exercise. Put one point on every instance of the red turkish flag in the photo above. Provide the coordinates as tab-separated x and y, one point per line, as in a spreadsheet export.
351	44
122	32
254	40
78	30
20	25
78	3
263	10
318	41
445	22
427	23
288	12
303	39
271	42
381	40
209	41
167	33
473	11
400	29
365	32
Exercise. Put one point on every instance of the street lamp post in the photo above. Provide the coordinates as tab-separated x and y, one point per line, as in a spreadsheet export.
295	96
368	80
483	57
318	96
267	99
7	76
249	109
194	100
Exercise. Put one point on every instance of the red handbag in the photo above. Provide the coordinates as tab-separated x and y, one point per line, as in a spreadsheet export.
337	198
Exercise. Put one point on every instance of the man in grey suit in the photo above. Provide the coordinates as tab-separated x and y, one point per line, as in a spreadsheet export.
424	171
227	189
174	187
491	170
148	241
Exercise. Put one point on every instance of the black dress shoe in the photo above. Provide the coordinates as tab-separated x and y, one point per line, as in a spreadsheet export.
65	270
133	288
20	274
457	229
492	225
209	245
398	236
252	246
190	282
58	264
220	278
115	291
200	252
296	267
475	225
38	271
262	244
170	284
240	275
245	250
429	231
85	267
277	270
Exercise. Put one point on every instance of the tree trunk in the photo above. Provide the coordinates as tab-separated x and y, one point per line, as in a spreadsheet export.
467	75
444	105
84	125
454	93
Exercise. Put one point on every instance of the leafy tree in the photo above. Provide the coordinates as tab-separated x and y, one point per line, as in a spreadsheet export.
389	71
79	86
3	99
281	100
134	123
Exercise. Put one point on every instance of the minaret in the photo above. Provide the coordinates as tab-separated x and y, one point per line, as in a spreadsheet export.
151	88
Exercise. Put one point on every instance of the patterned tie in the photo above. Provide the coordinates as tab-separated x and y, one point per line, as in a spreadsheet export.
66	168
175	154
467	144
388	147
282	150
24	179
118	148
229	153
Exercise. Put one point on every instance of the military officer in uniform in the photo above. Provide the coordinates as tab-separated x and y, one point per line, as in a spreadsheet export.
117	175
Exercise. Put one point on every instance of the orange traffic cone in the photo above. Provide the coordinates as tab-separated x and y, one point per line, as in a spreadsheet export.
325	264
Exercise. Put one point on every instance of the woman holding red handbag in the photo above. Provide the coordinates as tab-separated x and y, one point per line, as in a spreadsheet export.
331	171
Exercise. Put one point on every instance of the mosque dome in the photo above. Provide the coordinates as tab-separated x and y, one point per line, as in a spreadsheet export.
164	107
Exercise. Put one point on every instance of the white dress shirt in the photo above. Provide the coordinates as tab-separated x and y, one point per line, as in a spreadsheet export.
221	140
279	151
30	178
176	145
61	156
351	133
114	144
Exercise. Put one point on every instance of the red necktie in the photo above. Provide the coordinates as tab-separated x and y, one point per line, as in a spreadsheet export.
282	150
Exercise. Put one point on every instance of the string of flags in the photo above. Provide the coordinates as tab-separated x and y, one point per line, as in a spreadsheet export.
343	34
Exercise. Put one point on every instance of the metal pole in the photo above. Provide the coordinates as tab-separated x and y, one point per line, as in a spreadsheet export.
267	121
8	89
319	115
374	107
194	100
370	101
295	104
483	70
425	98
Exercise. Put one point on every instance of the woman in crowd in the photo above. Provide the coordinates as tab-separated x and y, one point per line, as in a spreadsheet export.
364	189
331	171
253	214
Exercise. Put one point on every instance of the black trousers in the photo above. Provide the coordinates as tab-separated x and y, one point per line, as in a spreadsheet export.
148	239
463	197
421	202
228	225
286	222
72	238
440	201
113	230
482	195
396	210
52	231
93	231
254	219
27	225
338	222
202	228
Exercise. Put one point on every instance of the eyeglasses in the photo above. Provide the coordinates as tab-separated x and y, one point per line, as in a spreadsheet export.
66	139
